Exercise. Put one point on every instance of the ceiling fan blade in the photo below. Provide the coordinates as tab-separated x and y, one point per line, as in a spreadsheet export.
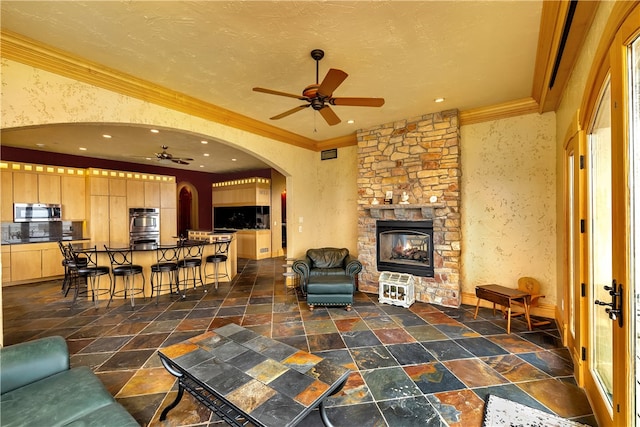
275	92
180	161
329	116
289	112
331	81
358	102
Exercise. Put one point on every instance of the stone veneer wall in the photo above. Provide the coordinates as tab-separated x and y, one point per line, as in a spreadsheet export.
422	157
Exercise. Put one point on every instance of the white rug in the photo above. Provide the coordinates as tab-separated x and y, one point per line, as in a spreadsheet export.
499	412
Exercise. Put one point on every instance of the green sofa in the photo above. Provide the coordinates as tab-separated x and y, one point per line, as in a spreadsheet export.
329	276
38	389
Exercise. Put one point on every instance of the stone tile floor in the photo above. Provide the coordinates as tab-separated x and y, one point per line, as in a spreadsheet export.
426	365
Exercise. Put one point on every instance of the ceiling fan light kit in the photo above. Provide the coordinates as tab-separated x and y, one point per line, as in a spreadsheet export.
320	95
168	157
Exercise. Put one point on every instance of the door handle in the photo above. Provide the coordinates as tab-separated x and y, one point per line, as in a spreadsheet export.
614	308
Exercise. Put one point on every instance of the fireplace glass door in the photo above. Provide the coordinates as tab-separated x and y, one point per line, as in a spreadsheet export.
405	250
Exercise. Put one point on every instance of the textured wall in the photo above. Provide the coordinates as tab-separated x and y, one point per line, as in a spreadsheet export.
508	202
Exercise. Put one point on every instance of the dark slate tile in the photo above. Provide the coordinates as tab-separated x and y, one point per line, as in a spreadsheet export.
481	347
360	339
372	357
433	378
410	354
390	383
446	350
413	411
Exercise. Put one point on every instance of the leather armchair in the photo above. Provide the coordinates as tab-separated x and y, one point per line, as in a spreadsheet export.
328	276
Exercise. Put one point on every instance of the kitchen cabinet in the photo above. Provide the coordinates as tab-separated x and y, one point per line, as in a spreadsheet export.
49	188
98	219
254	244
135	193
51	261
6	263
98	186
26	262
6	203
117	187
73	197
168	195
118	221
151	194
243	192
168	225
25	187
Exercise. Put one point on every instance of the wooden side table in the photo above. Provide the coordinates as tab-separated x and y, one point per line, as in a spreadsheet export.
504	296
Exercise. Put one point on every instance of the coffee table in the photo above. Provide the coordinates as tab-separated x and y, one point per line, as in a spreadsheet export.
502	295
248	379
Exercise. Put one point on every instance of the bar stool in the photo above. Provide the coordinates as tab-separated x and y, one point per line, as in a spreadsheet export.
122	266
69	264
190	264
86	266
166	263
220	256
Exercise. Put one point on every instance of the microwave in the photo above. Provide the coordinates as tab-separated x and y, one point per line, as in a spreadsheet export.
36	212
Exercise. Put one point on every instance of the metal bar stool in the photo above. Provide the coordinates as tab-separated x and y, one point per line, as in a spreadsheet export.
69	264
166	263
220	256
86	266
190	265
122	266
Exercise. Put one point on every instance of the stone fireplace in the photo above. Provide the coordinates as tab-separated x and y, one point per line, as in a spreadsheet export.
419	157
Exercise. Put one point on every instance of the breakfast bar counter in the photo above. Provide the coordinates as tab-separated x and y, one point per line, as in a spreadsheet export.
145	255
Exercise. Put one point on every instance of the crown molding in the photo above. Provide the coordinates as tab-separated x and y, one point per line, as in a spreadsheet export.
33	53
499	111
30	52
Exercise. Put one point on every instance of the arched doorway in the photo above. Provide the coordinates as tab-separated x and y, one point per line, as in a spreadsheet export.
187	208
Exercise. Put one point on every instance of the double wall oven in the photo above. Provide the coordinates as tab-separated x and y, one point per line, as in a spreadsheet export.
144	225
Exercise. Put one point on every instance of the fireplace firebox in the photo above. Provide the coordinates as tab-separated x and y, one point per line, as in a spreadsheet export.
405	247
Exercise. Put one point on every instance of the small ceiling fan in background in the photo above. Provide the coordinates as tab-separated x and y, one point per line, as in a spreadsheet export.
164	155
320	95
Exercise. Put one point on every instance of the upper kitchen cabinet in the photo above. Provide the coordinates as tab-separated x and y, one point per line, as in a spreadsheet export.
242	192
168	195
6	198
73	196
151	194
25	187
135	193
49	188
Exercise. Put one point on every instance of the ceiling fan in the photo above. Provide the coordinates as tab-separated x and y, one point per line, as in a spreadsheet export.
168	156
320	96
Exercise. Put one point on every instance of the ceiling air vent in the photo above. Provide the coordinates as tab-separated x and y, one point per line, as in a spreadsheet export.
329	154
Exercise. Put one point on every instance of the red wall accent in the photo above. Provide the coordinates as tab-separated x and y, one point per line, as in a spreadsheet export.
200	180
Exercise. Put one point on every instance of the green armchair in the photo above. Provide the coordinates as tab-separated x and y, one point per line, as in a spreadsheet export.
328	276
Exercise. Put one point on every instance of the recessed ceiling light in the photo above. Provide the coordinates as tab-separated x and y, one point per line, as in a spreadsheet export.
234	160
82	149
204	142
106	136
438	100
351	121
201	166
155	131
206	154
40	144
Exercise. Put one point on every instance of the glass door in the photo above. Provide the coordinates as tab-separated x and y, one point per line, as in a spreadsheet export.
600	248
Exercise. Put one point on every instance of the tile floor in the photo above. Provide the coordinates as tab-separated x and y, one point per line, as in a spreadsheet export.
437	364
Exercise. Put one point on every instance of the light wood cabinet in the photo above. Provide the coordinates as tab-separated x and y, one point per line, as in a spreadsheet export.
26	262
6	203
6	263
151	194
254	192
168	195
254	244
135	193
117	187
51	262
25	187
98	219
49	188
73	197
98	186
168	225
118	221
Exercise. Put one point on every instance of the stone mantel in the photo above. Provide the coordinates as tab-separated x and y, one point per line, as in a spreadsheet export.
404	211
